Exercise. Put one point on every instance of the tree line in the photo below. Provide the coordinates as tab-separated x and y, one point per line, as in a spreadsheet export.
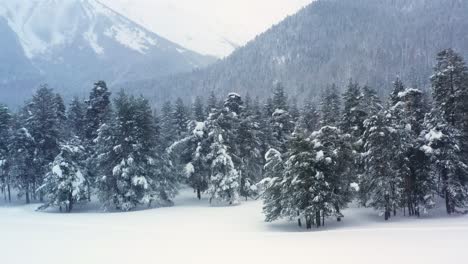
307	163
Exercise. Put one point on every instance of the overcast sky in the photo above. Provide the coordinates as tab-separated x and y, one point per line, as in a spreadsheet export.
207	26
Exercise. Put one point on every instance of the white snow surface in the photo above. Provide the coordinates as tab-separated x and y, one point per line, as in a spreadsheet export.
194	232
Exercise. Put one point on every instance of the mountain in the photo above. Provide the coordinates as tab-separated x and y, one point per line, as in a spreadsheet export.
331	41
71	43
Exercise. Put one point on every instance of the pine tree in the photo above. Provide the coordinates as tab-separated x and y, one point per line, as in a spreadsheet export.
442	145
76	118
5	137
180	118
412	165
280	99
450	87
310	117
335	160
381	186
398	87
21	171
44	122
330	107
98	110
198	110
168	130
274	193
65	183
250	153
131	173
353	112
212	103
370	101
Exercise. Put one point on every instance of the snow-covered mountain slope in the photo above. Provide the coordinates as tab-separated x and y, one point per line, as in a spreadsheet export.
208	26
71	43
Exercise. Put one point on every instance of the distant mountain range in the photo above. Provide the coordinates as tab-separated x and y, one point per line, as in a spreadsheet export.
331	41
69	44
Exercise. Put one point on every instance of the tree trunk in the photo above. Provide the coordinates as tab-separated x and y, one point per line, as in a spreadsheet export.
299	223
447	203
198	194
28	201
9	192
317	219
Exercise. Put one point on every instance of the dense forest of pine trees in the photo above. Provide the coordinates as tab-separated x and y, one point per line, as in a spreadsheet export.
397	155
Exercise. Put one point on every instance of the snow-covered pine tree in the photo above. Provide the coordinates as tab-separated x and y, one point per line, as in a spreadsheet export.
442	145
223	156
61	112
5	138
450	87
180	117
411	165
273	194
198	110
65	184
380	186
280	99
450	93
250	153
44	124
370	101
335	160
21	171
281	123
310	117
168	130
212	104
76	118
98	111
330	107
353	112
398	87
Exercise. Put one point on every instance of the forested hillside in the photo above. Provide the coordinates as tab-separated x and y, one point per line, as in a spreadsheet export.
331	41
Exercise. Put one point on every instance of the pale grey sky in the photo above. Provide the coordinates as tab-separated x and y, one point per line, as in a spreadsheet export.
207	26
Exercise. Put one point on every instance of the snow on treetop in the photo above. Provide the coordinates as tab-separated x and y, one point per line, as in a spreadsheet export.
279	112
408	92
234	95
434	135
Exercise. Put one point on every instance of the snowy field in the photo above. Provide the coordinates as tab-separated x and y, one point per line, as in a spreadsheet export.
194	232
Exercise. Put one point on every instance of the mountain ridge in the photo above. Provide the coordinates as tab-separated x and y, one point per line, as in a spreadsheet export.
73	43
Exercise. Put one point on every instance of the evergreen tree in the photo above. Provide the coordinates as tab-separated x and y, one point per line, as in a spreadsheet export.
330	107
442	145
98	110
353	113
21	171
450	87
398	87
371	102
212	103
309	120
76	118
131	172
280	99
198	110
44	123
168	130
5	137
180	118
274	193
381	185
65	184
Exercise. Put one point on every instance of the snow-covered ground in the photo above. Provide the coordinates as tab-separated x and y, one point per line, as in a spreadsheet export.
194	232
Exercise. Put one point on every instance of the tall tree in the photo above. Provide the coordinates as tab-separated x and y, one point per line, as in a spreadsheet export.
98	111
5	137
330	107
